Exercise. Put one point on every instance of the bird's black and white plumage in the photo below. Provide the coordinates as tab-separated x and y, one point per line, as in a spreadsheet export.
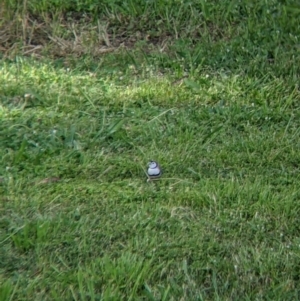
154	170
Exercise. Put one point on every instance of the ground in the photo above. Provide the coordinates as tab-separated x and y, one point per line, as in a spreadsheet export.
91	92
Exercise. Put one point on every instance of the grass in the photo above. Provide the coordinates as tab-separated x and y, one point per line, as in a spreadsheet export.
213	97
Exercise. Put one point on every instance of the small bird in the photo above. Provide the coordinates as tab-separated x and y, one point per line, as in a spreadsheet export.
154	171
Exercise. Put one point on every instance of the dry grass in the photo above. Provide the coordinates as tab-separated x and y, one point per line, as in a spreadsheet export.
30	36
61	36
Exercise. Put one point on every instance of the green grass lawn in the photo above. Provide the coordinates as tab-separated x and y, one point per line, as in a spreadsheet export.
208	89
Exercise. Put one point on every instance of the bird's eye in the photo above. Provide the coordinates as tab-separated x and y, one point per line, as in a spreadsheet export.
152	164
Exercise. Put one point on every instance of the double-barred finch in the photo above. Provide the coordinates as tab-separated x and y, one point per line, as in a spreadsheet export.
154	171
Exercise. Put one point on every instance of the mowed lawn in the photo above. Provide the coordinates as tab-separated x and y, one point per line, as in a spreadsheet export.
208	89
